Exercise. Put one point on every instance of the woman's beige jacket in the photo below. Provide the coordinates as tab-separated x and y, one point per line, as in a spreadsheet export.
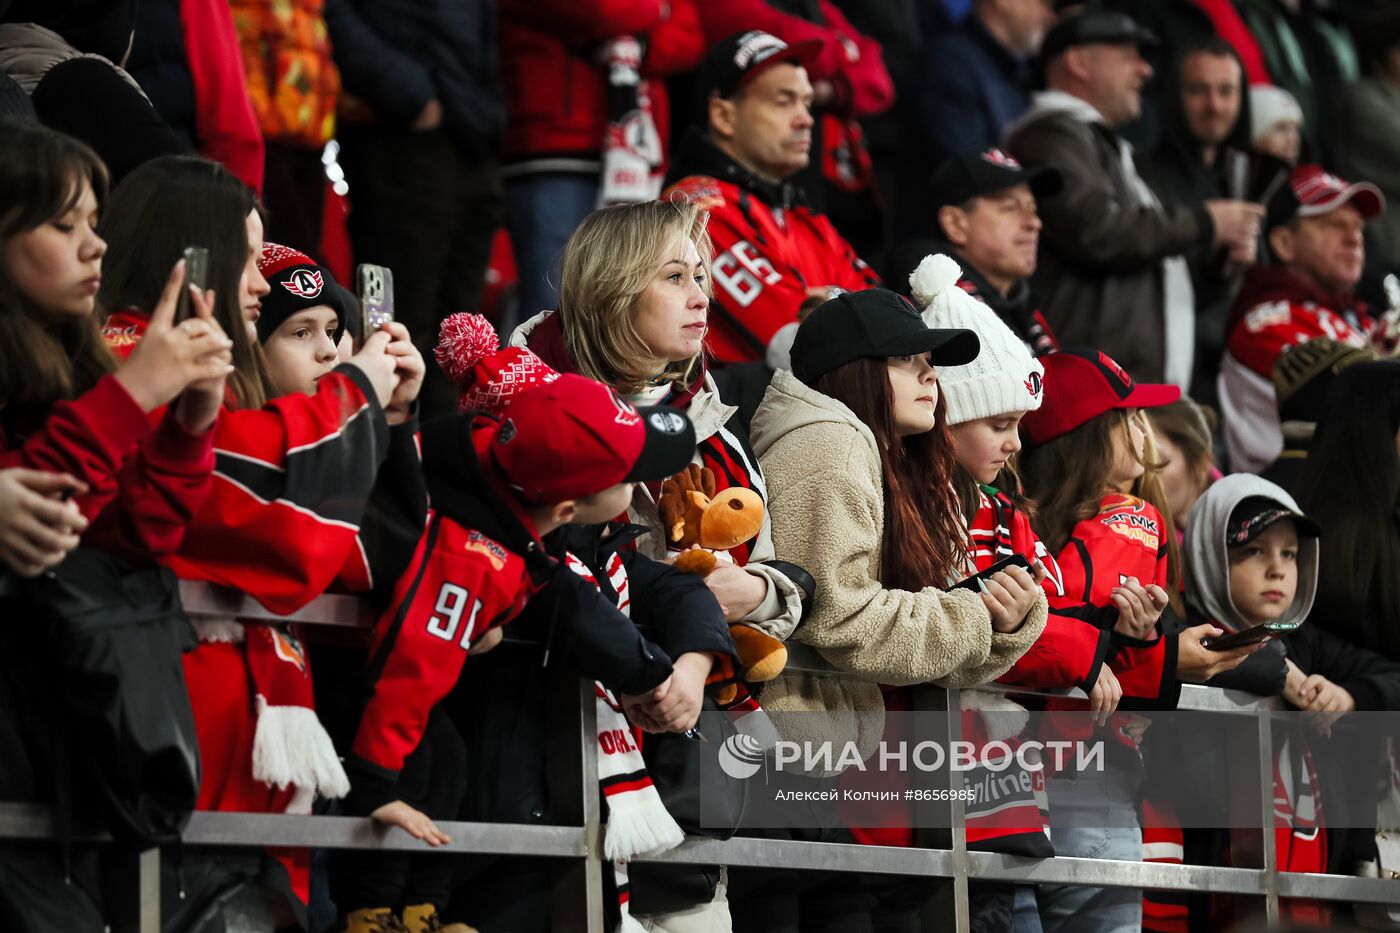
827	505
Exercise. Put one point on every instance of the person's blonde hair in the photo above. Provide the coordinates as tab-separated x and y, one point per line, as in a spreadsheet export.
606	264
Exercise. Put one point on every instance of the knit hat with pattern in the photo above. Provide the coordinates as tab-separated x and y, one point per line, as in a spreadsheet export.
1004	377
489	377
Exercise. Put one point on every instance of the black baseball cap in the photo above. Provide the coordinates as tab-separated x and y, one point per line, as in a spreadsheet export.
874	323
976	174
1095	27
1256	514
739	59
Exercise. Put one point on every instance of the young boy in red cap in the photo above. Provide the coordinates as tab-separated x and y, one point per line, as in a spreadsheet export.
567	451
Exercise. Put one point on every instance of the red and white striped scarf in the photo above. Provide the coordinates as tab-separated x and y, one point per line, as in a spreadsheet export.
638	822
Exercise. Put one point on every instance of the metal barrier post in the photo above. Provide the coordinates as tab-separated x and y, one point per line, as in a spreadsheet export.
1266	787
140	875
592	809
962	907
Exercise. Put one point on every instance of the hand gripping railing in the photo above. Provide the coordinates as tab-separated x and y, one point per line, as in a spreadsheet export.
583	910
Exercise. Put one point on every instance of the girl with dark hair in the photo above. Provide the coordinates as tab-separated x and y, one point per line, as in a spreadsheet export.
65	404
855	444
1086	444
1351	486
286	517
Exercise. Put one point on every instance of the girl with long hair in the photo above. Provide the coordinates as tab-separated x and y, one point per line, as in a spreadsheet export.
74	424
855	443
65	404
1086	444
285	518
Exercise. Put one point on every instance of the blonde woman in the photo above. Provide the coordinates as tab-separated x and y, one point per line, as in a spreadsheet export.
634	308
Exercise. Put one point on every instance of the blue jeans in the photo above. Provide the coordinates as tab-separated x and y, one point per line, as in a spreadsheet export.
542	211
1094	817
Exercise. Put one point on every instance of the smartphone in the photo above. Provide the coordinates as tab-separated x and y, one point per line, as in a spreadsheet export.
1015	560
196	274
374	286
1252	635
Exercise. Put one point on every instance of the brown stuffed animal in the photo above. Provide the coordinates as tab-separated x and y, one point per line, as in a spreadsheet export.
699	522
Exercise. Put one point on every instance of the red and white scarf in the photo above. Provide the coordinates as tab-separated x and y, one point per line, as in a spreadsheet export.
638	822
290	746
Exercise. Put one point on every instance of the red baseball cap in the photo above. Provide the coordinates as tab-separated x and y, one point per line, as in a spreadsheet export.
574	437
1081	384
1312	191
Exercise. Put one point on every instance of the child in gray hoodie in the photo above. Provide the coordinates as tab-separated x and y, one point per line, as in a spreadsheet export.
1251	557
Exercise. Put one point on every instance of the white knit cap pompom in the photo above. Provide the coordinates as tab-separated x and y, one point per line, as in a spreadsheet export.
936	274
1004	378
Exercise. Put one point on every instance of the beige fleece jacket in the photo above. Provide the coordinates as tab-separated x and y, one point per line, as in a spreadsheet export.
827	504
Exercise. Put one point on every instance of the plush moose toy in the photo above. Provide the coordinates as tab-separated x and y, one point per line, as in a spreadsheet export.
702	524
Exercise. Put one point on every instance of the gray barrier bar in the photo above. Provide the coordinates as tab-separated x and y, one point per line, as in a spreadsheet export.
584	842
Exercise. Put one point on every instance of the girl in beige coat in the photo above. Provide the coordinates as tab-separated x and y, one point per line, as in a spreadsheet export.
855	447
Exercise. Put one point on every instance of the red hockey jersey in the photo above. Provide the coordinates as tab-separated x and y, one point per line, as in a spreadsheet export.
1125	539
459	585
1072	646
1276	311
291	483
766	257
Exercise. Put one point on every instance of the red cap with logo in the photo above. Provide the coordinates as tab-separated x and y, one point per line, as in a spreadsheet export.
574	437
1080	385
1312	191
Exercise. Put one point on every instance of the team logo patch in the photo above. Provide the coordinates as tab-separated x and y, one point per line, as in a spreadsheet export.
1034	385
478	543
288	648
626	415
997	157
304	283
1134	527
667	422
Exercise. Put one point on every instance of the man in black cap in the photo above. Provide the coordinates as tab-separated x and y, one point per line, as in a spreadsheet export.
772	251
987	215
1111	269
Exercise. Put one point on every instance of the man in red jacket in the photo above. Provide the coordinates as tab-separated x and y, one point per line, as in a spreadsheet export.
1315	228
771	252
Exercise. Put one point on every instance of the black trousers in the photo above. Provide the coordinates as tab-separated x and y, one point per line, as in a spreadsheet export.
432	780
420	207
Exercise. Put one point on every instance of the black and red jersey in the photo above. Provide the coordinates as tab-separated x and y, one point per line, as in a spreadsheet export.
769	250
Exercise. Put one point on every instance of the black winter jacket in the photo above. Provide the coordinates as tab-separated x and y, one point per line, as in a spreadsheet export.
400	54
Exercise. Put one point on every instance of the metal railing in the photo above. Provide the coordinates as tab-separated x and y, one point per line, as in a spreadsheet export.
582	842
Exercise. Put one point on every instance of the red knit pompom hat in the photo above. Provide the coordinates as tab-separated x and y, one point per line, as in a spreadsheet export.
489	377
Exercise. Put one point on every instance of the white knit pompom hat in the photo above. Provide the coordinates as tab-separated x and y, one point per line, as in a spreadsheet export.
1004	377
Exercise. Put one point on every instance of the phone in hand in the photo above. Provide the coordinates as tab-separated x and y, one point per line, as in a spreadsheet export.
374	286
1249	636
977	582
197	275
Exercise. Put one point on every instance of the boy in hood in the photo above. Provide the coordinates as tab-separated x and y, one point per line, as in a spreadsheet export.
1251	557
